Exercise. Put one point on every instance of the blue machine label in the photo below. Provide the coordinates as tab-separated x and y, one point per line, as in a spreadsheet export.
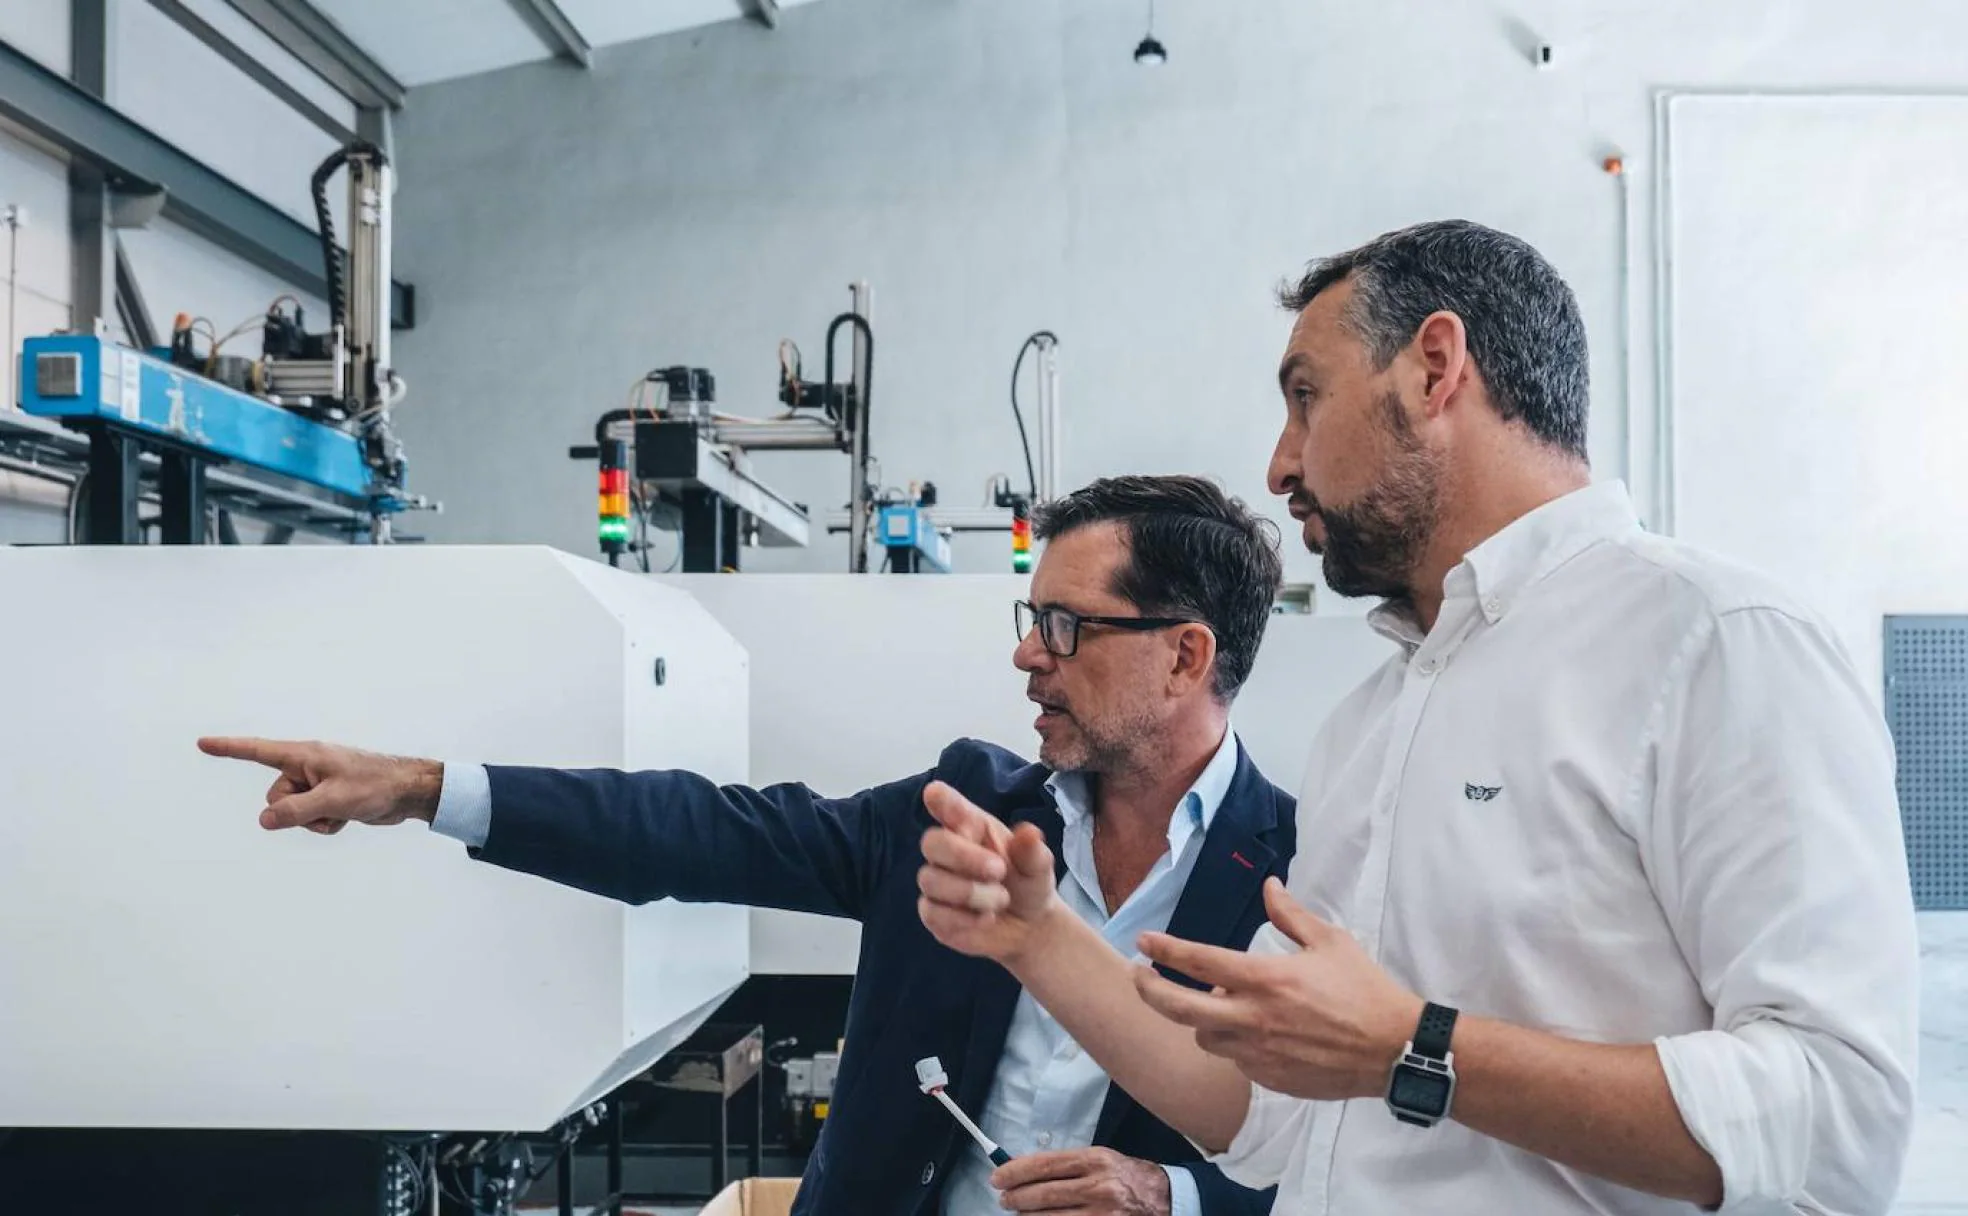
132	387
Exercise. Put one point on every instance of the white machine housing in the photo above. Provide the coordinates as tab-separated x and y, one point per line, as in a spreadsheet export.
167	963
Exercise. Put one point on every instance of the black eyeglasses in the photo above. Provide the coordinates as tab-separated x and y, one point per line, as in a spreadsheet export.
1059	628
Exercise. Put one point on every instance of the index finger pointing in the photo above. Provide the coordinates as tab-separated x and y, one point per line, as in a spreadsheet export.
270	752
946	850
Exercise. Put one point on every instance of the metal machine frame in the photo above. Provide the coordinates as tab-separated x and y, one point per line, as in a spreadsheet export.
313	411
679	450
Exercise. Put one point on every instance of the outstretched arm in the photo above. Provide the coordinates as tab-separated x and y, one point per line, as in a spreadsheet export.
629	836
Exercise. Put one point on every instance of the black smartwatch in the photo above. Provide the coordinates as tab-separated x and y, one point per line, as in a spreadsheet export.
1422	1083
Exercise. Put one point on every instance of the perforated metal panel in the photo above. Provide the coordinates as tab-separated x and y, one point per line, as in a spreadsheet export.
1927	708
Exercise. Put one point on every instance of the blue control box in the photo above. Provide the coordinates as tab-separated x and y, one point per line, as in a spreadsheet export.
907	527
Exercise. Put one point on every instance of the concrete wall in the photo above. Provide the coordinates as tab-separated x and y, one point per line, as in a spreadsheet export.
994	167
1818	273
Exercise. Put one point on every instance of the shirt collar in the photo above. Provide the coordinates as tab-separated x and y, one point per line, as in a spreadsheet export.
1510	562
1072	792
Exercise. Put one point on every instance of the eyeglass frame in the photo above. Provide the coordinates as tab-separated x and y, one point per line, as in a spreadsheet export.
1133	624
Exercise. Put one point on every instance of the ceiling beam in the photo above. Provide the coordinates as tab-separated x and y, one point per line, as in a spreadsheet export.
552	27
96	135
255	70
303	32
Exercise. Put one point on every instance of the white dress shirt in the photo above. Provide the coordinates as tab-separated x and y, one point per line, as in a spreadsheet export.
1622	792
1047	1093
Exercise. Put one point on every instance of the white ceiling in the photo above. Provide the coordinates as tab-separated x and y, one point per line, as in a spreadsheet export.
424	41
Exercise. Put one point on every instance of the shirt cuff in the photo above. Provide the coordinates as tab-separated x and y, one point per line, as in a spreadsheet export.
1185	1198
1745	1098
464	805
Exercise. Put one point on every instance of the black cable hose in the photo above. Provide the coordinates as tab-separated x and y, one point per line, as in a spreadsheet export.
1017	365
331	253
860	323
868	384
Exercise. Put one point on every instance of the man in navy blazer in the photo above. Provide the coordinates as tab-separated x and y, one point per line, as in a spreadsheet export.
1147	608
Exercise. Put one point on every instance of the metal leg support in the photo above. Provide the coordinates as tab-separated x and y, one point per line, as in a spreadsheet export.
721	1160
758	1127
614	1203
111	510
731	534
713	533
181	487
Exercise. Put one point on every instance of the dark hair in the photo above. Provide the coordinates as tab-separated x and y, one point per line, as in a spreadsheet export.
1193	551
1522	320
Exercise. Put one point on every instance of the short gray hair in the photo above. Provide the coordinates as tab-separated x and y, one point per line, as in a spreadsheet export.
1522	321
1193	551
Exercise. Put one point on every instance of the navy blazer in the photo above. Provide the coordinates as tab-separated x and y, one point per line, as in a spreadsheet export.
883	1151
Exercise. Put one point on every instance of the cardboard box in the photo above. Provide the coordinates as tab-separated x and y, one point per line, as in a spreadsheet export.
755	1197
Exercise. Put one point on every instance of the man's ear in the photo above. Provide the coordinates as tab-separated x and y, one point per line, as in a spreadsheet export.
1195	657
1442	345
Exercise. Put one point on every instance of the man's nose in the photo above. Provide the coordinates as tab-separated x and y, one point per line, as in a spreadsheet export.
1031	654
1283	473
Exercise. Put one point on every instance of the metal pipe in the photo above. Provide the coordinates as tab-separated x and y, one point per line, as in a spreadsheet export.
1048	418
1663	316
1625	345
13	306
782	435
371	182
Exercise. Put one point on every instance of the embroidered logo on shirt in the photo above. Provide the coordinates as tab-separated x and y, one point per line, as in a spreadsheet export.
1481	793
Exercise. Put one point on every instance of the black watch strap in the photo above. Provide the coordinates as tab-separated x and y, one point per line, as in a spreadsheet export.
1433	1034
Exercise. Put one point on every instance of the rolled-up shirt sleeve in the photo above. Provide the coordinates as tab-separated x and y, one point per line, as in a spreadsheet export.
1772	839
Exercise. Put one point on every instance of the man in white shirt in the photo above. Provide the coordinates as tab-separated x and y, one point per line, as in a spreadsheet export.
1602	903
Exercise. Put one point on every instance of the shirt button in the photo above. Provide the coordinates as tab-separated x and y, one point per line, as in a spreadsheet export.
1493	605
1045	1140
1071	1051
1428	667
929	1173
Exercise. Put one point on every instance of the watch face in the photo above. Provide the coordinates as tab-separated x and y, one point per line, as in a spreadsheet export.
1420	1091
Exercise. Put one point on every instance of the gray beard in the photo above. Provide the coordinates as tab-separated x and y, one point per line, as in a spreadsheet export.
1374	543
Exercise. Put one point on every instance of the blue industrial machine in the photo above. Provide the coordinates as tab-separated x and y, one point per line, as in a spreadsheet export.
312	410
92	381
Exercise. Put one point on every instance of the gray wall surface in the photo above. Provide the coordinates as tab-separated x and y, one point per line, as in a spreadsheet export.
997	166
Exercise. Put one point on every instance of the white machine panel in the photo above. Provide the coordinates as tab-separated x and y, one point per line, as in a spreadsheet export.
861	679
166	963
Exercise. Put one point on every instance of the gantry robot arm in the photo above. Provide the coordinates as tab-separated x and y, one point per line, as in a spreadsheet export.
347	374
